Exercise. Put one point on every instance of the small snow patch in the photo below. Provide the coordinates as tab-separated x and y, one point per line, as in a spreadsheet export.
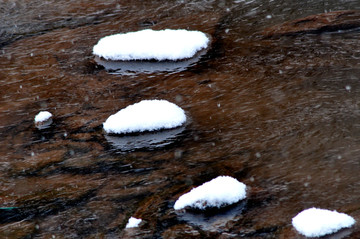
151	45
133	222
42	116
220	191
43	120
147	115
315	222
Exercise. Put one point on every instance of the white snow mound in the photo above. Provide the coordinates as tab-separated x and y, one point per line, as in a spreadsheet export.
146	115
151	45
315	222
133	222
42	116
221	191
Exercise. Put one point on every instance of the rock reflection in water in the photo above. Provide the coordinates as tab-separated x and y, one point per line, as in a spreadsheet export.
214	219
146	140
340	234
44	124
128	67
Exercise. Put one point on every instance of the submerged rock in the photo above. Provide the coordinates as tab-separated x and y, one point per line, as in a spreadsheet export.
324	22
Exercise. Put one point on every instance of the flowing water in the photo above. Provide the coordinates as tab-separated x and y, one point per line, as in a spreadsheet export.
280	114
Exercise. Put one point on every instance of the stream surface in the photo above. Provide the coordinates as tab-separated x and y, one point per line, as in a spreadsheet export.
281	115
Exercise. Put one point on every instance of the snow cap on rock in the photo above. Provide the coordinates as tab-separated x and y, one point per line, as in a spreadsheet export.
220	191
315	222
150	44
42	116
133	222
146	115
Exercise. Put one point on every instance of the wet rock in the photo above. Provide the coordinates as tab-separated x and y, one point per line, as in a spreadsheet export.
36	162
136	233
22	229
181	231
325	22
46	196
80	221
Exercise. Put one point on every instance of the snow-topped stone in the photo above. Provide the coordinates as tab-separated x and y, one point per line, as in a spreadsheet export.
219	192
133	222
42	116
146	115
150	44
43	120
315	222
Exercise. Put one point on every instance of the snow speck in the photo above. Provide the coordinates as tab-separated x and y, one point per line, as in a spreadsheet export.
315	222
147	115
133	222
220	191
149	44
42	116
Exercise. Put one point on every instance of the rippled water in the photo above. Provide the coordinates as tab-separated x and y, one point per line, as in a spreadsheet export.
281	115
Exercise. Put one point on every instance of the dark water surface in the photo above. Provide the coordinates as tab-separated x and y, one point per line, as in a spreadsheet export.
280	114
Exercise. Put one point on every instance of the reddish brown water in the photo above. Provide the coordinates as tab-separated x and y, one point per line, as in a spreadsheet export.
281	115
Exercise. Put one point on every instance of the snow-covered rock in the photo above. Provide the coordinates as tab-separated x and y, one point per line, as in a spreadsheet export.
315	222
43	120
42	116
133	222
146	115
150	44
221	191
